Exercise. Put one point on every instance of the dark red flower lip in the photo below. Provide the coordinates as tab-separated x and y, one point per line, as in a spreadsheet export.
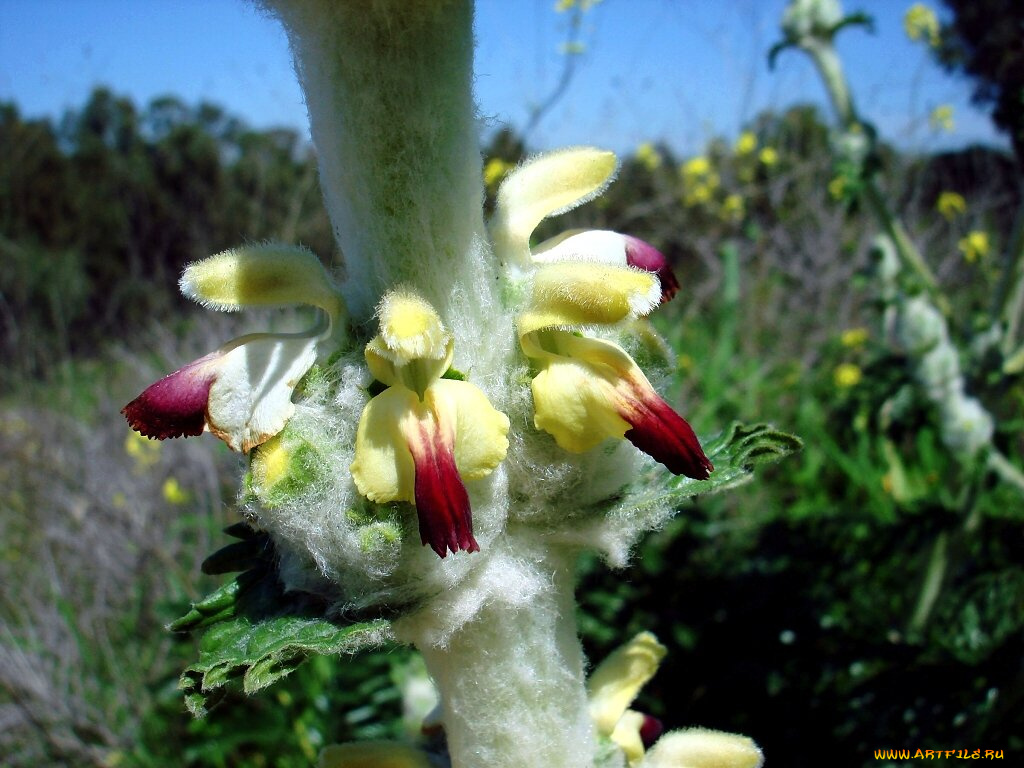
665	436
442	503
645	256
175	406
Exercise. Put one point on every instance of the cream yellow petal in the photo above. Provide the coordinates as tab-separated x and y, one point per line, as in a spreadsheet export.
265	275
250	399
703	748
585	293
575	404
618	679
480	429
410	328
627	736
373	754
383	468
546	185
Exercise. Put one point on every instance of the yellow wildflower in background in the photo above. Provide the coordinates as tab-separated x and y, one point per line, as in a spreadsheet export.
920	23
746	143
648	156
495	170
941	118
974	246
173	492
950	205
854	337
699	180
768	156
733	208
837	188
847	375
144	451
695	168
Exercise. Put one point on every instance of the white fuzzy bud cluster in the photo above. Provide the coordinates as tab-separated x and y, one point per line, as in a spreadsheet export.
921	329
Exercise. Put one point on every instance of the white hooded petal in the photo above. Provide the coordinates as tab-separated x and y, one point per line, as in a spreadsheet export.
251	398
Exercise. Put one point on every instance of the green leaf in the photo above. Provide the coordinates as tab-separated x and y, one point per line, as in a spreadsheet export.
735	454
255	630
263	651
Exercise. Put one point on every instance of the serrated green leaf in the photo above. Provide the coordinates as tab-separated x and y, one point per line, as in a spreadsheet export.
264	651
257	632
735	453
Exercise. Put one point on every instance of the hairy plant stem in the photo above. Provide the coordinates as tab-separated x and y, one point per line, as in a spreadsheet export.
388	87
511	680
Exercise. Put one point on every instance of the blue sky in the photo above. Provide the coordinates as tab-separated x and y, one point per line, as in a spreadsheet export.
678	71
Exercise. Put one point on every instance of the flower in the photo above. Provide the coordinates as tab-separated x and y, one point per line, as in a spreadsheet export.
587	389
495	170
974	246
941	118
733	208
837	187
423	435
854	337
648	156
768	156
173	492
950	205
613	685
242	392
920	23
746	143
700	180
847	375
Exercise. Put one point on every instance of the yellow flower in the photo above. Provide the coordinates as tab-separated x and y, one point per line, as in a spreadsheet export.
847	376
613	685
854	337
423	435
173	492
495	170
941	118
588	390
950	205
974	246
768	156
837	188
648	156
696	168
146	453
733	208
920	23
746	143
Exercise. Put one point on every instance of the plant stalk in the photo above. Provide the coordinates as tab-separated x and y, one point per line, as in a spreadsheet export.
511	680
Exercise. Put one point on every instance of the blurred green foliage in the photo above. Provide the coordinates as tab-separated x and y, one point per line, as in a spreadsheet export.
798	609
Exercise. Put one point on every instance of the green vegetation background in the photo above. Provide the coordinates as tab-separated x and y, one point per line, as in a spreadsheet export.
787	604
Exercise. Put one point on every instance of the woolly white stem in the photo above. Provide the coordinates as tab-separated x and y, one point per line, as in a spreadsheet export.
511	679
388	85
